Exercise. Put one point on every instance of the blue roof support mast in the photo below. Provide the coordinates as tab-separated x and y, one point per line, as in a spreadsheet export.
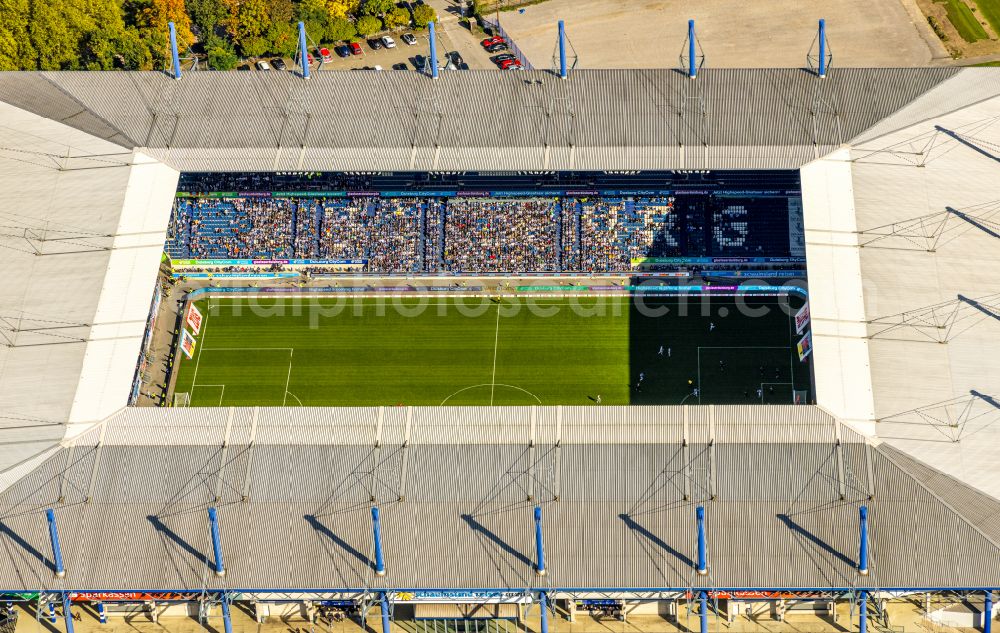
213	520
539	543
988	612
563	70
433	52
819	58
57	560
702	553
303	51
377	536
227	620
67	612
175	57
384	607
703	599
692	64
863	541
863	613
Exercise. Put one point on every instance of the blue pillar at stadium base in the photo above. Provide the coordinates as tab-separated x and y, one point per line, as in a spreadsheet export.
988	612
433	52
692	63
539	544
562	50
863	545
227	621
377	536
303	53
174	56
384	599
543	612
213	519
52	613
702	555
863	613
67	613
703	598
822	49
57	560
102	615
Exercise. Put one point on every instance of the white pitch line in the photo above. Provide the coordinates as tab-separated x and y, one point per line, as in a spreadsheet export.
197	363
496	340
284	401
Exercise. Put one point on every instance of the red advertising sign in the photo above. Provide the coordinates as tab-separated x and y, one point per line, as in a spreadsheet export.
802	319
193	319
187	343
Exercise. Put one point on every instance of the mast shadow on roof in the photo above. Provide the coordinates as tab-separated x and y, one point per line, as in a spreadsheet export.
631	524
26	546
163	529
801	531
339	542
492	536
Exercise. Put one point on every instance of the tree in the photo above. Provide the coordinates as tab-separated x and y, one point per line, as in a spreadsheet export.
248	25
314	15
208	15
341	8
397	17
16	50
222	57
368	25
378	7
283	39
423	15
150	18
340	29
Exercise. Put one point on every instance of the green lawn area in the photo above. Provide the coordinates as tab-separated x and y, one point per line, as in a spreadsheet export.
367	351
964	20
990	10
987	64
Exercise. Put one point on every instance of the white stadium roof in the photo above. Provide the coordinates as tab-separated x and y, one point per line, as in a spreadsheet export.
901	195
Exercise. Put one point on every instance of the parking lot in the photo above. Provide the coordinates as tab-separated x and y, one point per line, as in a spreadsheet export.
451	38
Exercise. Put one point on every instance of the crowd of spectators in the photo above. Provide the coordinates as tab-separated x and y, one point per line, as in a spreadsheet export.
613	232
488	235
458	235
386	232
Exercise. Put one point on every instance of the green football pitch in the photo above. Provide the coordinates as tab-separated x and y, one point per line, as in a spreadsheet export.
476	351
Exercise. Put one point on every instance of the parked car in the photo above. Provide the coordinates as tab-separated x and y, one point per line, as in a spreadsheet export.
377	68
310	60
375	43
409	39
499	59
496	48
278	64
324	54
507	63
262	65
388	42
399	66
343	50
491	41
355	48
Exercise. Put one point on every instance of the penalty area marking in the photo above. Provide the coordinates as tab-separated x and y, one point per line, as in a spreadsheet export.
701	347
221	393
491	385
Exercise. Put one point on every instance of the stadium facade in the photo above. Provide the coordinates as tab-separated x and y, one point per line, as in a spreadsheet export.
900	174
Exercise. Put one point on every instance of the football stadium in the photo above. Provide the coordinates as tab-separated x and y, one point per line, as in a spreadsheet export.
572	350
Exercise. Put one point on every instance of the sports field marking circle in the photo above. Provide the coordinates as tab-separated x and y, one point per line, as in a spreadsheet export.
723	312
490	384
